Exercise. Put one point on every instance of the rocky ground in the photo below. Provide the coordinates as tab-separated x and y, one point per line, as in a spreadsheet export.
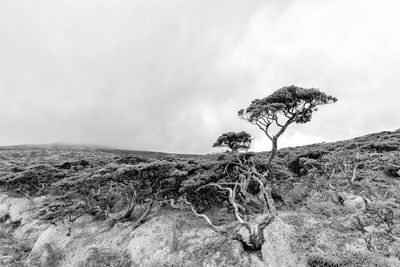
338	205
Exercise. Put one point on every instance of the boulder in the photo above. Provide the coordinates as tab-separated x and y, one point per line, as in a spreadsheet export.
4	207
354	202
15	209
19	209
276	250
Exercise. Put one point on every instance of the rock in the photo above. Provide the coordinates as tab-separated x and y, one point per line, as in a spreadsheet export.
196	244
19	209
355	202
48	256
16	209
4	207
6	260
276	250
31	230
255	261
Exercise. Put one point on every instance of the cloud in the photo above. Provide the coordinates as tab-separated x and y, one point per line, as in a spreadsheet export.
171	75
347	49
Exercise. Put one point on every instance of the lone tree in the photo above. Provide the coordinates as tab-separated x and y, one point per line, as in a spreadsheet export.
234	141
247	185
285	106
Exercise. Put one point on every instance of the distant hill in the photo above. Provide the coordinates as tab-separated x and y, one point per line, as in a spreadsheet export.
93	148
365	140
57	146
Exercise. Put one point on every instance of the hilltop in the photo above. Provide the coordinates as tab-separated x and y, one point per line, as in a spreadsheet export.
64	205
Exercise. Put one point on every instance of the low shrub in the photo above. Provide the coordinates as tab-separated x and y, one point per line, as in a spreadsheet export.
105	258
353	259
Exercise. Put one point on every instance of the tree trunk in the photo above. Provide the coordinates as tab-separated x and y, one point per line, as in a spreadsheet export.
273	151
271	203
256	229
144	215
127	214
256	237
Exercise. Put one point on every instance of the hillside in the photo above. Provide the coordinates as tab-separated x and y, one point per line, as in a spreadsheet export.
338	204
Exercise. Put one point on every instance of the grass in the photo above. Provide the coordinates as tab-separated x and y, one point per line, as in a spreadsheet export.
13	251
99	257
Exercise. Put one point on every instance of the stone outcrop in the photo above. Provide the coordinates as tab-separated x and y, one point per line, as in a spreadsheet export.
276	250
148	245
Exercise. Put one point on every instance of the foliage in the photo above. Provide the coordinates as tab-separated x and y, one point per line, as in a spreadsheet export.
115	191
301	164
286	105
249	193
348	259
103	258
13	251
249	184
382	146
302	176
36	179
234	141
379	225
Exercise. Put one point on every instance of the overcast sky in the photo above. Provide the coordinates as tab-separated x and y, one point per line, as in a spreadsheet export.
171	75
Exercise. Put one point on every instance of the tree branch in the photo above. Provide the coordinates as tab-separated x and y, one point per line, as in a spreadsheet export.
144	215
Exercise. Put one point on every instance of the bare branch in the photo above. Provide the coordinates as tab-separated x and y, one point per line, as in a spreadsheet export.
209	222
232	194
354	176
144	215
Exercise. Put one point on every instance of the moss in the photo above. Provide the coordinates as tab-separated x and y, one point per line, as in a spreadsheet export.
14	251
50	257
349	259
98	257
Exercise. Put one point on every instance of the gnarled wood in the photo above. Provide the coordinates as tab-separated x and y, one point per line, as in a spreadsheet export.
254	211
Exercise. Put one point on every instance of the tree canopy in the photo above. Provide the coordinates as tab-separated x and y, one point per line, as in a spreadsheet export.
234	141
285	106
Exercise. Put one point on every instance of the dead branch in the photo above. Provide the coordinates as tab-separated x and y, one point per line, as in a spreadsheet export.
354	176
358	224
208	220
144	215
232	194
393	165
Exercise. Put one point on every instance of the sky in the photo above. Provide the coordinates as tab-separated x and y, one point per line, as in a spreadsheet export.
171	75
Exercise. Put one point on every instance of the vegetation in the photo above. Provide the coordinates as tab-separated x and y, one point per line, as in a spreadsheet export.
303	180
285	106
249	187
103	258
333	194
234	141
13	251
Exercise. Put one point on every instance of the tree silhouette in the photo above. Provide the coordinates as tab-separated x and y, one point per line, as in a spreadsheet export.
234	141
285	106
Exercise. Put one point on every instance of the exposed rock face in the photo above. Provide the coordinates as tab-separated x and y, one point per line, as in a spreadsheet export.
149	245
17	209
354	202
4	207
153	244
276	250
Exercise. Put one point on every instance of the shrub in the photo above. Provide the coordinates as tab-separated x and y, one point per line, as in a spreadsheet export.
234	141
17	250
346	259
302	163
383	146
99	257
